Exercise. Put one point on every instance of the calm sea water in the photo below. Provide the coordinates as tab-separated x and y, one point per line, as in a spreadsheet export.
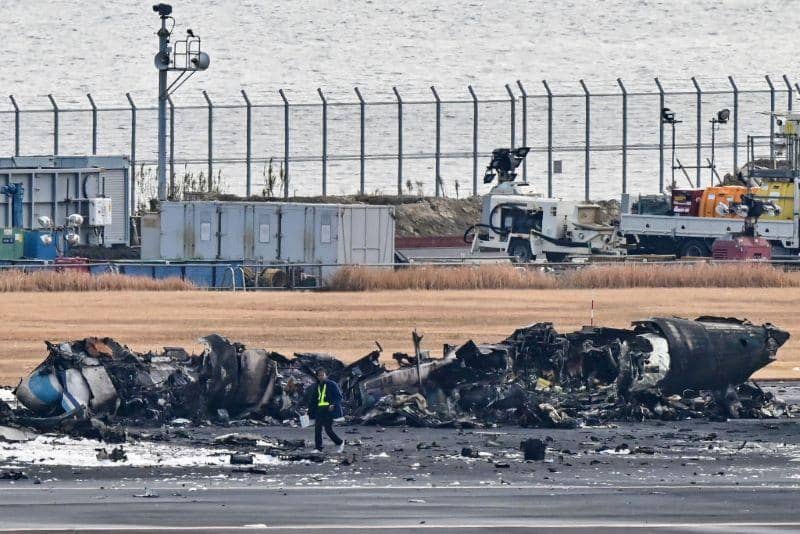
69	48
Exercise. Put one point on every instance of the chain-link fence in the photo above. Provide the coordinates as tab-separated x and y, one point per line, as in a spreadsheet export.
586	141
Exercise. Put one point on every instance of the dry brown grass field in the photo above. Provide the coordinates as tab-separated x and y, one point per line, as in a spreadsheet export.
346	324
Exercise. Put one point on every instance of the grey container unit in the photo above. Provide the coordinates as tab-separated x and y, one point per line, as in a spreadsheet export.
57	186
189	230
333	234
199	230
366	235
249	231
337	234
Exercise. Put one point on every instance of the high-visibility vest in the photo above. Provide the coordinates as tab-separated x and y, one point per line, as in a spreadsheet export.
321	400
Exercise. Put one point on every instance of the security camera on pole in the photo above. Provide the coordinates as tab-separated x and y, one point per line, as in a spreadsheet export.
186	58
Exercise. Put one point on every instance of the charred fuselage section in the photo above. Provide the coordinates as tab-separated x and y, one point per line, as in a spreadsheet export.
663	368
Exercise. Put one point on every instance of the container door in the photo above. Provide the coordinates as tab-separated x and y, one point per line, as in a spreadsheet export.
367	235
231	231
309	234
206	231
374	233
354	236
172	229
265	233
292	233
326	235
248	238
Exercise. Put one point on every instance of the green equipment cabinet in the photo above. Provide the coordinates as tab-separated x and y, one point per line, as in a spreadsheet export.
12	243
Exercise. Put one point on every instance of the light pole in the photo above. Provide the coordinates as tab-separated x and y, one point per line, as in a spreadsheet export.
721	118
668	117
185	58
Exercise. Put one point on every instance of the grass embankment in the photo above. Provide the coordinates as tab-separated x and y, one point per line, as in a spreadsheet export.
71	280
588	277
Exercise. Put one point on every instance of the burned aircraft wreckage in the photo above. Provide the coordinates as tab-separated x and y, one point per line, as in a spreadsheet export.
664	368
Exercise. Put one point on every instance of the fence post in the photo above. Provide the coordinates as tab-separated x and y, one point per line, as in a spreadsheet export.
788	92
94	123
660	137
512	102
210	141
16	124
771	119
735	124
133	149
285	143
172	190
474	140
248	158
399	141
524	128
438	147
324	142
699	130
549	139
624	135
55	124
587	161
362	127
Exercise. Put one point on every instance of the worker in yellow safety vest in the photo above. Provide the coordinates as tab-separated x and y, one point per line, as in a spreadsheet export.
325	407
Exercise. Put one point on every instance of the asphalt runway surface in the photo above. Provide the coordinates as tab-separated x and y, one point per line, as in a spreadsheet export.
676	476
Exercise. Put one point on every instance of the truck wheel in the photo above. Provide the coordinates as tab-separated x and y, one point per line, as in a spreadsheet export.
555	257
694	248
521	250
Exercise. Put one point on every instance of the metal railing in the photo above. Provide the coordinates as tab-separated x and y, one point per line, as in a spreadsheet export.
438	145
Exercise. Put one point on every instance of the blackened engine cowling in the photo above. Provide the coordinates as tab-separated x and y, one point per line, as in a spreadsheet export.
710	353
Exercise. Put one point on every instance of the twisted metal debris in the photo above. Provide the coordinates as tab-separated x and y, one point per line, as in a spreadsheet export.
661	368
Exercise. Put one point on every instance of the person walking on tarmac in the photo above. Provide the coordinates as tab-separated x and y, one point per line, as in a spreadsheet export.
328	406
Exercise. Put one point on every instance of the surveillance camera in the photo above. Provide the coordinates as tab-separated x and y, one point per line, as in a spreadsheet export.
723	115
522	151
164	10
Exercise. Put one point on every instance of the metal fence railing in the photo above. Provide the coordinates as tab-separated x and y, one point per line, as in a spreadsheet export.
585	142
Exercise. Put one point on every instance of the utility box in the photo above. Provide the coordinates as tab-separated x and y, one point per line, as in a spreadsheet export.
12	244
36	249
100	212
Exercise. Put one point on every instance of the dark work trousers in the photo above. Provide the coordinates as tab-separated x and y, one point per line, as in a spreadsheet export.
324	419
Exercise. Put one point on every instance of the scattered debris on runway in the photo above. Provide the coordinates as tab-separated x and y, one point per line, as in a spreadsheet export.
661	368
